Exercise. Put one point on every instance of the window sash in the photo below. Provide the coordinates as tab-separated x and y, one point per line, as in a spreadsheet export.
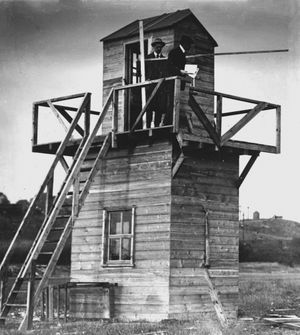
107	237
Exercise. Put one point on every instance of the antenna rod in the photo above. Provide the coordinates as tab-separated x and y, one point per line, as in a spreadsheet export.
236	53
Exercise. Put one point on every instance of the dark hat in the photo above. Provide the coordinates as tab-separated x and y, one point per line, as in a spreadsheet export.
158	41
186	40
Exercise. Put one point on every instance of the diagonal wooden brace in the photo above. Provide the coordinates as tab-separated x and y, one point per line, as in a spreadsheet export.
246	170
242	122
69	118
147	104
204	120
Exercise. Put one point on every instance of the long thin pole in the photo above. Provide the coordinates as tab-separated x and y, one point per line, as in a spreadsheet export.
143	71
236	53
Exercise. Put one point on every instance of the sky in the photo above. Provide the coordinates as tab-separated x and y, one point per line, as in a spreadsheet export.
52	48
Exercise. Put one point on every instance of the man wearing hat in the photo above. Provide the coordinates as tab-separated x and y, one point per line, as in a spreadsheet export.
155	69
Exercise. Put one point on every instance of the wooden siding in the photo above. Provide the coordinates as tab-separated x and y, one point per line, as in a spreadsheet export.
203	182
138	176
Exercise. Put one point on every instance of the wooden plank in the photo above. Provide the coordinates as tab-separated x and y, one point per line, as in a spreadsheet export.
246	170
35	114
56	113
177	165
219	116
176	105
87	118
204	120
114	127
66	115
229	96
243	111
67	97
64	164
241	123
278	129
216	301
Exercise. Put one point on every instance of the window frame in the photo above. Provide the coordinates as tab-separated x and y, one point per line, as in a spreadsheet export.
105	261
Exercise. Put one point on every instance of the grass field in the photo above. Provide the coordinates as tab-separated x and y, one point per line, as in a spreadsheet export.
258	297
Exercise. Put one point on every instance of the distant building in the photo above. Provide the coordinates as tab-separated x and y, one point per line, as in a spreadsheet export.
256	215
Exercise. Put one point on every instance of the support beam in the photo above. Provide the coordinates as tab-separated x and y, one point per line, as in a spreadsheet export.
241	123
35	114
177	164
176	105
242	111
56	113
204	120
219	115
67	116
246	170
115	118
215	300
30	296
64	164
278	129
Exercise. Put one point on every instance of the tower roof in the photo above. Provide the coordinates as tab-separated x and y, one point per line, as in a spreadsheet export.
159	22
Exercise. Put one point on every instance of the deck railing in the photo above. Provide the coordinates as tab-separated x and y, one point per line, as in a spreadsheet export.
171	87
215	130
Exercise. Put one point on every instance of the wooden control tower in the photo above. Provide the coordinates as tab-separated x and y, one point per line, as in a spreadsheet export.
154	211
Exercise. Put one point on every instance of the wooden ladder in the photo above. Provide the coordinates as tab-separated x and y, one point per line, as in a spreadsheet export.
53	215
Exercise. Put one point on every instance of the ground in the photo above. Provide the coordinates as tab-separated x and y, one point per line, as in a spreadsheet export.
263	289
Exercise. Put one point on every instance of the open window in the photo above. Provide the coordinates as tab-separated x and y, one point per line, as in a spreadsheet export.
118	237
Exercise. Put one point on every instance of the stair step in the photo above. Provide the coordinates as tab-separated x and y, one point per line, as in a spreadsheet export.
51	242
46	253
57	229
88	169
63	216
20	291
16	305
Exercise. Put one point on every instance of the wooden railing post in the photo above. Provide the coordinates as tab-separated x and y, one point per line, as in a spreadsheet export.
50	303
87	116
30	296
115	111
176	105
35	113
219	115
66	304
278	129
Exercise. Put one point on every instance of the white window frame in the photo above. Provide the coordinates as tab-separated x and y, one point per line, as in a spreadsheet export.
105	261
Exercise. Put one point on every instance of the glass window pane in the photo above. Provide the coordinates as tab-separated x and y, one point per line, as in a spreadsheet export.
127	222
126	245
114	249
115	223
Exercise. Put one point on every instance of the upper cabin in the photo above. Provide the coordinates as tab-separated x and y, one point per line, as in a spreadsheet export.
121	57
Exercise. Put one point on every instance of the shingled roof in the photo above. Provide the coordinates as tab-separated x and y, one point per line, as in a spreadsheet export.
155	23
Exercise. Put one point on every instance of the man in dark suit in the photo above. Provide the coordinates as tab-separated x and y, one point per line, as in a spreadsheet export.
175	67
177	58
155	70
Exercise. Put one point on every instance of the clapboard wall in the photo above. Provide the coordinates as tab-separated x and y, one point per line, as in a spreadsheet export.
204	182
167	280
139	175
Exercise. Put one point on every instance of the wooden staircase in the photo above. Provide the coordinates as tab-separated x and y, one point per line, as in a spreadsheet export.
49	240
